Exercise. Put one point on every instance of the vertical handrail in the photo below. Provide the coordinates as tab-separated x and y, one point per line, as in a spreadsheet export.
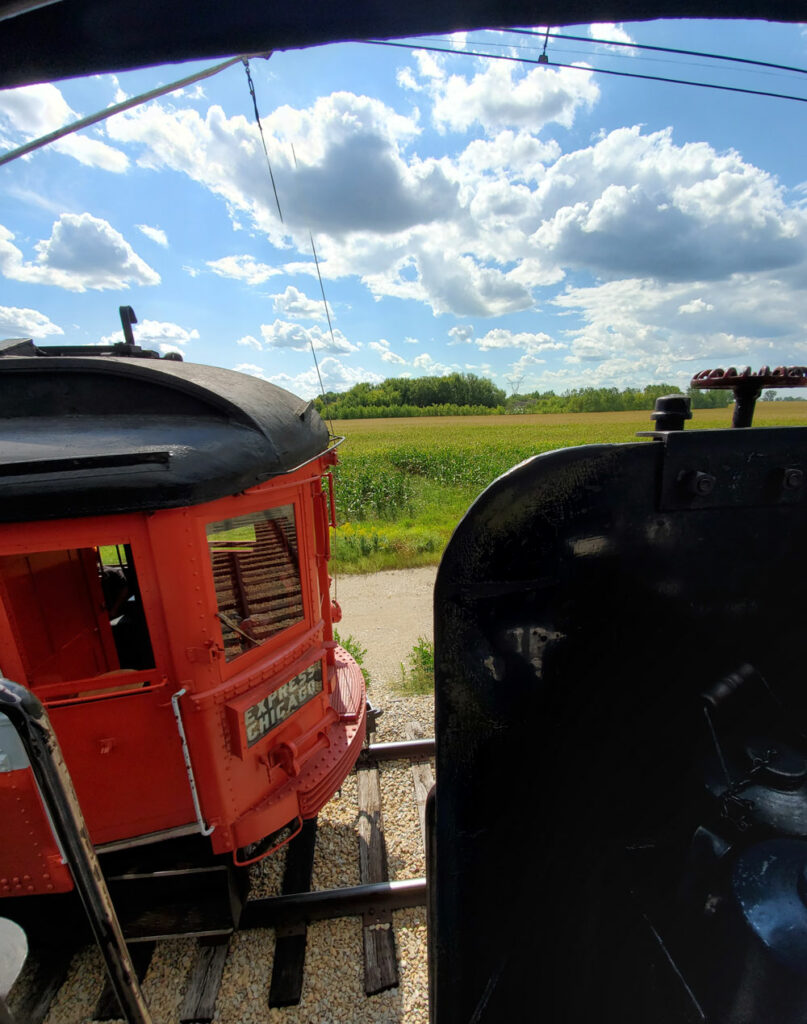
204	828
30	720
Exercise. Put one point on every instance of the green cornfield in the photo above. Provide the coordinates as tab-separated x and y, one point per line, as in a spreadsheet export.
403	485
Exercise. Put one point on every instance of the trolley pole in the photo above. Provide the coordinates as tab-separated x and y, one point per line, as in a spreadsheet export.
30	720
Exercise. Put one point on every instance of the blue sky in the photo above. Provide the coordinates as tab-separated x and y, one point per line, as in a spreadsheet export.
549	228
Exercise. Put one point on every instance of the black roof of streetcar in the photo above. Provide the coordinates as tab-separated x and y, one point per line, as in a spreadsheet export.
44	40
88	435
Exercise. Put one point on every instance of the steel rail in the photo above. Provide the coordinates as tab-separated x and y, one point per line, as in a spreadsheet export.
30	720
403	750
351	901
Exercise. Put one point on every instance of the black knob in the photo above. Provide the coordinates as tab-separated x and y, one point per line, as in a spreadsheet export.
671	412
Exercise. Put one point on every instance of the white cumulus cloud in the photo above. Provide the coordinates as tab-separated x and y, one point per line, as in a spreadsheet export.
248	341
696	306
460	333
18	322
382	347
83	252
242	268
35	110
294	303
501	96
155	234
636	205
349	174
749	318
615	34
284	334
529	341
431	367
162	334
336	376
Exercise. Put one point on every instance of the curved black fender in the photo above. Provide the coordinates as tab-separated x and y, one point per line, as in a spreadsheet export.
584	604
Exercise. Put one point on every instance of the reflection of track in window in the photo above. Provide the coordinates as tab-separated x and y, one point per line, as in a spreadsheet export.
257	577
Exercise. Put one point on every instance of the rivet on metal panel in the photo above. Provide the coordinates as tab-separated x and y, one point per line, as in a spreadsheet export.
793	478
697	482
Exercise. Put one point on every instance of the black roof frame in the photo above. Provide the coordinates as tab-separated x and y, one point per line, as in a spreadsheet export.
45	40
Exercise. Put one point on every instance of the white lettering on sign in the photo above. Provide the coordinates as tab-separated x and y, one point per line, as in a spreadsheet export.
278	706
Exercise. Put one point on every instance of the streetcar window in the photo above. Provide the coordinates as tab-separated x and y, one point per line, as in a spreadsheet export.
76	614
256	571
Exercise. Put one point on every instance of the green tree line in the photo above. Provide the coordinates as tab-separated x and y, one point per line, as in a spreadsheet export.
612	399
415	396
461	394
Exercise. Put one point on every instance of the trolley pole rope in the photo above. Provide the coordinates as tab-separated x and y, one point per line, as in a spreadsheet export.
135	101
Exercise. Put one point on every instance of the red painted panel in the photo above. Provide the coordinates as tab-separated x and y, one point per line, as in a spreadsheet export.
31	862
125	758
55	602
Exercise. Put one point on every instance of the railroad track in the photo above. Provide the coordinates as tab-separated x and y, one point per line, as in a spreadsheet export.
331	931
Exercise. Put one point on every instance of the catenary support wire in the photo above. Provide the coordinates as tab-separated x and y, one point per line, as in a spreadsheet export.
660	49
588	68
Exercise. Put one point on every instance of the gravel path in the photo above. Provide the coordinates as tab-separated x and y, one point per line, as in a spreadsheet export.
386	613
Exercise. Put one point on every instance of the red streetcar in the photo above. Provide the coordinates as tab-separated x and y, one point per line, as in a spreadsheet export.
164	591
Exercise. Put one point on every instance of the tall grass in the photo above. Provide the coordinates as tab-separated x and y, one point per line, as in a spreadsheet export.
417	675
402	486
372	487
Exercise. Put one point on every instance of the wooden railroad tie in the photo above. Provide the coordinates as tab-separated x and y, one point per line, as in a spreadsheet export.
199	1003
287	969
422	778
380	963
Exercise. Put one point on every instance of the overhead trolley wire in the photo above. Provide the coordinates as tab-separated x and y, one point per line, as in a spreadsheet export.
634	59
310	236
330	328
251	85
578	67
660	49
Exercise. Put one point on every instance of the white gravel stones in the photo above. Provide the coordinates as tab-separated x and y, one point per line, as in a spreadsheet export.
405	854
76	999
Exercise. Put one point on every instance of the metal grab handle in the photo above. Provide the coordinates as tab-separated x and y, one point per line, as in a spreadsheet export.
30	720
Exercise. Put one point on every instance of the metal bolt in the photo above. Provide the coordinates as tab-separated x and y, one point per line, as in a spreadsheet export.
698	483
794	478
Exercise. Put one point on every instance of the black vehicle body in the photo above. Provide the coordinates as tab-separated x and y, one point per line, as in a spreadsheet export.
621	813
